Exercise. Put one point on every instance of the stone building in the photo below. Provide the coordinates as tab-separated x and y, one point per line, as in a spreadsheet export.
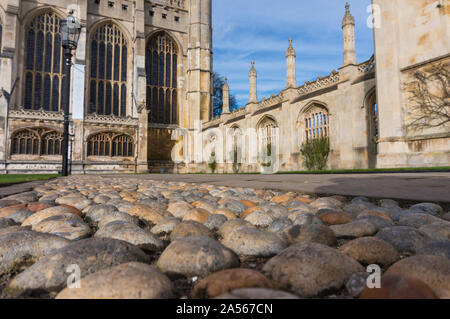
142	69
362	107
142	73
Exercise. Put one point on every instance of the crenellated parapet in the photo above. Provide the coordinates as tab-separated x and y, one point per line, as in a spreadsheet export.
319	83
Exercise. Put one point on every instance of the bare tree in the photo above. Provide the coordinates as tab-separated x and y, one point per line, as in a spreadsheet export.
430	98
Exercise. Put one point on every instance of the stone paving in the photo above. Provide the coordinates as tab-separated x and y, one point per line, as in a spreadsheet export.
132	237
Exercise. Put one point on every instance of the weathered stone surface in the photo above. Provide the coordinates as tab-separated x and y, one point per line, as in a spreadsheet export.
234	205
371	250
206	205
310	234
126	281
24	246
179	208
275	210
302	218
379	222
166	226
257	293
47	213
417	220
405	239
153	215
72	229
327	202
228	227
96	213
227	280
21	215
79	202
437	231
259	218
6	222
279	224
356	283
249	241
214	222
432	270
334	217
399	287
37	206
226	212
132	234
434	247
117	216
356	229
426	208
190	228
199	215
13	229
196	256
8	202
94	254
310	269
6	211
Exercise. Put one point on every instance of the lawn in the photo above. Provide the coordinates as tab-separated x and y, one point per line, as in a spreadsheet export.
20	178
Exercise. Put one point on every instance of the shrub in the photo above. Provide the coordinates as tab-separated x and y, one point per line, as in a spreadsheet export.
212	162
315	153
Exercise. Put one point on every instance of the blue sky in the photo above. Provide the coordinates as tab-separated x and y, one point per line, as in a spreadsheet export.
246	30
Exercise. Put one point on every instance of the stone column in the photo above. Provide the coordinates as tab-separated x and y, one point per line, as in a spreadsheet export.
253	97
348	28
291	79
200	61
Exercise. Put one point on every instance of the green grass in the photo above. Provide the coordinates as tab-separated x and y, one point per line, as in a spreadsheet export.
20	178
373	170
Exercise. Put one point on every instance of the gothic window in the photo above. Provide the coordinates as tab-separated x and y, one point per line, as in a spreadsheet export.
51	144
317	123
110	145
44	70
267	135
161	70
36	142
108	72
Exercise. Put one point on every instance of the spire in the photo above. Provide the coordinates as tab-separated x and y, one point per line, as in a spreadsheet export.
252	70
348	18
291	79
226	98
253	97
290	51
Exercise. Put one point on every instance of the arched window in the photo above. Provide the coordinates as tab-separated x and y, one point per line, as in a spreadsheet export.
161	69
267	133
36	141
108	71
44	67
111	145
317	122
51	143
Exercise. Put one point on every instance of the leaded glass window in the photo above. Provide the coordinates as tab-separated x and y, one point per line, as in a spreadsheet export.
317	123
161	70
110	145
108	72
43	63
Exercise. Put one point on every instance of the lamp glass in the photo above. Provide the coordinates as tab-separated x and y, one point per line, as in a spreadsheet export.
70	32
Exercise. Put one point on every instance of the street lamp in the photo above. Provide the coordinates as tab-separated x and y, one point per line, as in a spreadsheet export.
70	33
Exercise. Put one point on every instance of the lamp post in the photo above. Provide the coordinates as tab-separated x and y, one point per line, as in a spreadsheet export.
70	33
